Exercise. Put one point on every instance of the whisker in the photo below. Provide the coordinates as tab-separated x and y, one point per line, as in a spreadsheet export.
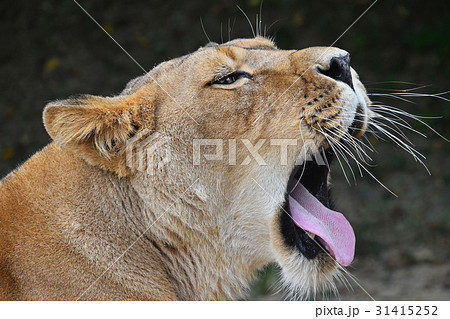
400	111
336	152
416	118
373	176
414	153
394	128
204	31
391	96
391	82
405	125
273	23
325	157
349	138
248	19
232	28
359	164
414	94
394	91
260	17
304	162
346	137
370	146
338	144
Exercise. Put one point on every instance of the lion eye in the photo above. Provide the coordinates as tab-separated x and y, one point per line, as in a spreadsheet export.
231	78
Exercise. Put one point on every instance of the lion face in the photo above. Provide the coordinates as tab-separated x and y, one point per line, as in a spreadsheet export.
247	124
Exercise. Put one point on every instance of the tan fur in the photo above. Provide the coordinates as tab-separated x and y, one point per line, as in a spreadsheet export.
77	222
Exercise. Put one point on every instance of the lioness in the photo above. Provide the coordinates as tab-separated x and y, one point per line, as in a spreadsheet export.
82	220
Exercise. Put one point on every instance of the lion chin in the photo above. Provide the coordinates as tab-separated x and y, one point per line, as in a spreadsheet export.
198	175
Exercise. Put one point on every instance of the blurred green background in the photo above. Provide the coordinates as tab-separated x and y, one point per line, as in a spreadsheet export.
51	49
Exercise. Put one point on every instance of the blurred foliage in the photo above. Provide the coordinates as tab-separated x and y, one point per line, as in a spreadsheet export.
268	282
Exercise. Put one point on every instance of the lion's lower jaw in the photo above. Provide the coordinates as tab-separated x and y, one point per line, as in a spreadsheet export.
300	279
305	279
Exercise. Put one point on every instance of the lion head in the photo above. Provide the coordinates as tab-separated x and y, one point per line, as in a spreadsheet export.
239	137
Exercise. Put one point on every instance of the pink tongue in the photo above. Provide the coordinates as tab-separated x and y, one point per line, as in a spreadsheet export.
335	232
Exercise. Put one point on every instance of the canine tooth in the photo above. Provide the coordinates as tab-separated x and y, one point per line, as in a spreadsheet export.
311	234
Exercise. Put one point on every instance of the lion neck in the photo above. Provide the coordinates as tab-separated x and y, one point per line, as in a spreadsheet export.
192	230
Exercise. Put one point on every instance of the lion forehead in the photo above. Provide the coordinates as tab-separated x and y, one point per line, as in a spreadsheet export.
153	75
225	49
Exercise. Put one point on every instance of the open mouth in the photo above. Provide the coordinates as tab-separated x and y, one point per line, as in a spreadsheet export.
308	222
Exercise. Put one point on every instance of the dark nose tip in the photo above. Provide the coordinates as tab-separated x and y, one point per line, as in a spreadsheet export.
339	69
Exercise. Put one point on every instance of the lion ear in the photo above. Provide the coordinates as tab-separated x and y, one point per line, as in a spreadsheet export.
96	128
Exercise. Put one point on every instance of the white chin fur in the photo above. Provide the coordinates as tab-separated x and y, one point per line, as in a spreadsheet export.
304	279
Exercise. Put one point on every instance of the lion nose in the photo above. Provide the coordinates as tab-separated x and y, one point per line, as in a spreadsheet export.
339	69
